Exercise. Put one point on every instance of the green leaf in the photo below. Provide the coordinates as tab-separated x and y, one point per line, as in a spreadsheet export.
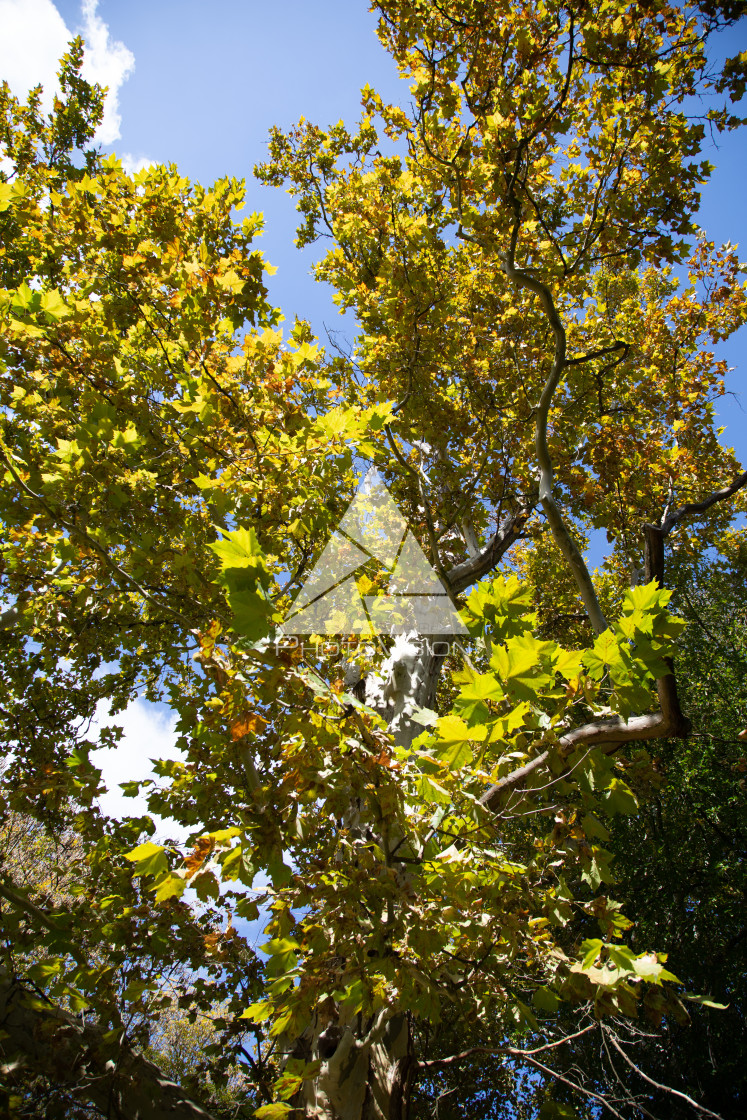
568	662
258	1012
355	997
648	967
619	798
623	958
453	729
426	717
456	755
596	868
280	946
482	687
378	416
24	297
432	792
205	885
45	970
591	950
248	908
238	549
606	652
645	597
557	1110
273	1111
149	859
171	886
231	281
521	664
54	305
125	436
593	827
704	1001
546	1000
251	614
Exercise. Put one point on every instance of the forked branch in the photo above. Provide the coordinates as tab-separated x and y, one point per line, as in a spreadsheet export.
655	535
561	534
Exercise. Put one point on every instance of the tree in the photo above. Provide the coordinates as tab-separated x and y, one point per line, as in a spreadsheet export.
426	832
693	825
680	866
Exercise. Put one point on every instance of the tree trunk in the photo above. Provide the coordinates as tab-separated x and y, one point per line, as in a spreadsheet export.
407	681
367	1066
366	1069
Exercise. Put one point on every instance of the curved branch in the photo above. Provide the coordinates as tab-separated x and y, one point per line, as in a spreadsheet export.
559	529
18	899
602	353
514	1051
657	1084
693	508
475	567
611	733
527	1056
655	535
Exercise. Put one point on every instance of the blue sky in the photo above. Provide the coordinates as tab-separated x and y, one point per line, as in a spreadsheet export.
200	85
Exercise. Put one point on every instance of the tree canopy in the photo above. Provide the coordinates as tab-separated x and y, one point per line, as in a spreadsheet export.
478	863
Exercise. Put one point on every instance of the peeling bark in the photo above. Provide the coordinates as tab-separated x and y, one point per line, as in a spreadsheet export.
407	681
366	1069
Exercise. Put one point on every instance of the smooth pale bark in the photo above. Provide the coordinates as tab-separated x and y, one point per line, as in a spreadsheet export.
366	1070
367	1064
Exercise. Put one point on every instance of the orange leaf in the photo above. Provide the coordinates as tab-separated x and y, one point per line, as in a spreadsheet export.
202	850
249	724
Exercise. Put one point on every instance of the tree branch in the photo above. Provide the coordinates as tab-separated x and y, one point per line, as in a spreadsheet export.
475	567
655	535
16	898
527	1056
112	1076
560	532
693	508
514	1051
611	733
656	1084
598	354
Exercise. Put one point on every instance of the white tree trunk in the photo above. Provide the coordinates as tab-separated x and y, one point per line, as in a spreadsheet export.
366	1069
367	1065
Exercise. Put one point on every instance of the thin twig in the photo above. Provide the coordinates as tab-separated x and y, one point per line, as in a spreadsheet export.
657	1085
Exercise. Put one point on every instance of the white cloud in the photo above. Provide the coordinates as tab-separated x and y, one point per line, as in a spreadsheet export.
149	733
107	62
132	164
35	37
33	40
